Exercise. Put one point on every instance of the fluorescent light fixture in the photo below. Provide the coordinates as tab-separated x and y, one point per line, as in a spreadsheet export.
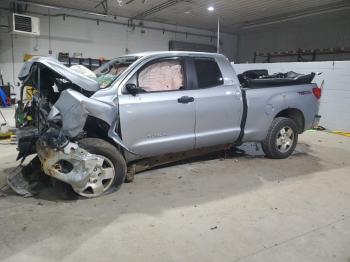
211	8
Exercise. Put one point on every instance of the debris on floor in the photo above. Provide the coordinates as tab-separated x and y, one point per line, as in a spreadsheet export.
2	191
337	132
24	180
5	130
18	183
341	133
319	128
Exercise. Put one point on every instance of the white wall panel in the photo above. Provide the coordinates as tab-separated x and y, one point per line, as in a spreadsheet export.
104	40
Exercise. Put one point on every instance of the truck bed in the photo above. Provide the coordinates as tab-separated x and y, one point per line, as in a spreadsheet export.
264	102
261	79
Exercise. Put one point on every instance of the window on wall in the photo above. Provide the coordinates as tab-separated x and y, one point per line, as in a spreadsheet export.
208	73
165	75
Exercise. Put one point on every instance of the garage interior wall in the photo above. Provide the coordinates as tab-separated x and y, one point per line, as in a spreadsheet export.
96	40
320	31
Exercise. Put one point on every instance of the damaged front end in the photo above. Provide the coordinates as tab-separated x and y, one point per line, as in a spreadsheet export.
59	114
43	81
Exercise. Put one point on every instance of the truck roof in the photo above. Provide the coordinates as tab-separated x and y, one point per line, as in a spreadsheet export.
155	53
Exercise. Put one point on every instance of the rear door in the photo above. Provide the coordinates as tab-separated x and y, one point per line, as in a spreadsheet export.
218	104
160	119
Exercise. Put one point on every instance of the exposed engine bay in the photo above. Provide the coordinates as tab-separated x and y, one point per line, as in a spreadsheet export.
32	115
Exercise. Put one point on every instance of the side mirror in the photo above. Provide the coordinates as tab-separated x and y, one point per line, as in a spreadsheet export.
132	89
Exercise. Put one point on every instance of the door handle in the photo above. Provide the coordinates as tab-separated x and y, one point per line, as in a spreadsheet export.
185	100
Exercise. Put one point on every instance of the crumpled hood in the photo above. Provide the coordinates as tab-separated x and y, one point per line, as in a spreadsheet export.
76	78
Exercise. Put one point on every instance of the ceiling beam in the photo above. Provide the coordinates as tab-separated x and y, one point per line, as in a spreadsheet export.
55	7
157	8
296	15
104	4
110	20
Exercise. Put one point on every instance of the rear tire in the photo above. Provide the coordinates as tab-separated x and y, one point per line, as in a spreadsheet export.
111	154
281	138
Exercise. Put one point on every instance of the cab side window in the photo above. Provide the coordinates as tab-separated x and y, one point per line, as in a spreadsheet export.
208	73
165	75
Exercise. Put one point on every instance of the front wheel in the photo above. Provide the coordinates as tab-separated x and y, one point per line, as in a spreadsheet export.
281	138
105	178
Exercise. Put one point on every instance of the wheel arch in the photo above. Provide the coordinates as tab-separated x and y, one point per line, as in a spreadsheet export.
98	128
296	115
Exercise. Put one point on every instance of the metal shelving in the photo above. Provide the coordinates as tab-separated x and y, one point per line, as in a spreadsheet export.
90	63
302	55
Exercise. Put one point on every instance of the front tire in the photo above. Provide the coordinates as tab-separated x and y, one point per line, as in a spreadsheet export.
106	179
281	138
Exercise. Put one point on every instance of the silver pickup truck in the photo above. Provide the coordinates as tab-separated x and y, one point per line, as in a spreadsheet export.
92	133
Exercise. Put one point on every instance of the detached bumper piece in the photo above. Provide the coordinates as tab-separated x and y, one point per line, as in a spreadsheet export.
25	179
18	183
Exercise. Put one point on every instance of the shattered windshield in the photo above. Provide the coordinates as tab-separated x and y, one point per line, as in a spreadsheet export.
109	72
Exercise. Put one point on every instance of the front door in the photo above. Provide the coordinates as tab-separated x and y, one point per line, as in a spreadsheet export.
159	119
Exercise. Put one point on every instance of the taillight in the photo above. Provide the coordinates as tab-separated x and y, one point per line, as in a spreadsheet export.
317	92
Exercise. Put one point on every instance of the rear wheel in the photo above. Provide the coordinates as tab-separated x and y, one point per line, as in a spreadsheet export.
281	139
105	178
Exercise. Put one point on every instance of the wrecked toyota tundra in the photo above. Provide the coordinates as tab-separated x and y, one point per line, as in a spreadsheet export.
92	133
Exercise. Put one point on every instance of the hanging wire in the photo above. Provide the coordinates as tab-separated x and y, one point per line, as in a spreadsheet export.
50	50
13	59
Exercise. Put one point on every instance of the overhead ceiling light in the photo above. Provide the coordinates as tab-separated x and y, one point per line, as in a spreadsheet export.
188	11
211	8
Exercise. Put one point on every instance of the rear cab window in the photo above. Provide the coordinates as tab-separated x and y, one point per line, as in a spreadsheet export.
208	73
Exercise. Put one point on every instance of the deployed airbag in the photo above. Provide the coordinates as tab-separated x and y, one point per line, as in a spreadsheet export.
162	76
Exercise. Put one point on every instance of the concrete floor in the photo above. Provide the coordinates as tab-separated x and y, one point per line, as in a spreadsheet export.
239	209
